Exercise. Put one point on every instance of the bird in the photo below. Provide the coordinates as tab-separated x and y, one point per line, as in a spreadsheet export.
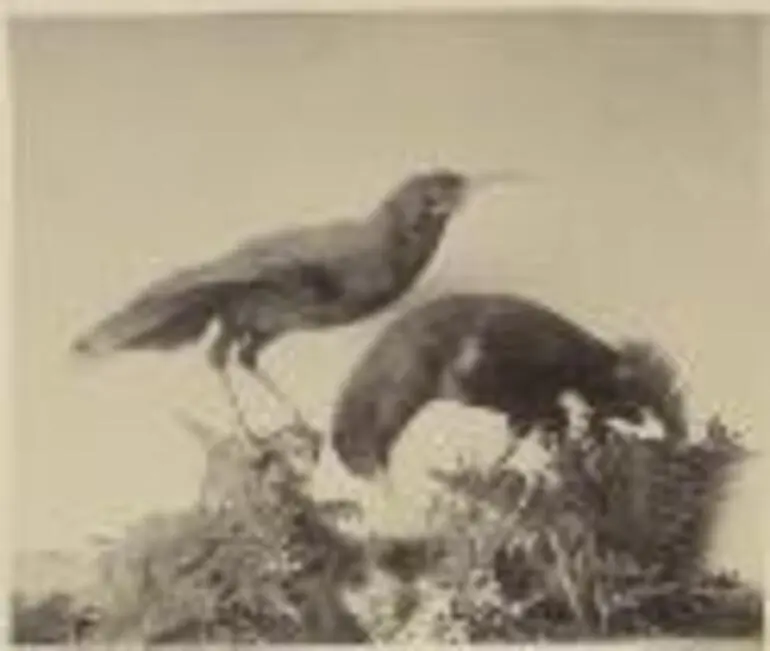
503	352
300	278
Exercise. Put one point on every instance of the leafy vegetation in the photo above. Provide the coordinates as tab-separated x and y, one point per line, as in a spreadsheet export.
608	538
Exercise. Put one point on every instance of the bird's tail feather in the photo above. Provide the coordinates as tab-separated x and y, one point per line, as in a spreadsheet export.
150	322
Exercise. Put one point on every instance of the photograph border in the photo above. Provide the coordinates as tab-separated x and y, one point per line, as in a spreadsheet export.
14	10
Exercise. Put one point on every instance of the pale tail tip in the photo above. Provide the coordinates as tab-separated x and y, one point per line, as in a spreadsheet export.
80	347
83	347
81	351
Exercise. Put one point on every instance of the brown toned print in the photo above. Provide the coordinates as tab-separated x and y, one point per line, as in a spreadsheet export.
292	171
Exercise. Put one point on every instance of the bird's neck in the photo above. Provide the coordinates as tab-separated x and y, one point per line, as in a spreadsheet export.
410	244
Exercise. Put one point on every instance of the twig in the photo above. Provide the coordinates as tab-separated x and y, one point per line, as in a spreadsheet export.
566	582
202	433
484	555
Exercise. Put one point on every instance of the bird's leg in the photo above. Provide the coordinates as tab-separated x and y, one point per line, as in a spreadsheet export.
247	356
232	397
217	356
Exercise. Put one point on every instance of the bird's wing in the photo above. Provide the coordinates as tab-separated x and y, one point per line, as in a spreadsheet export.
177	308
312	253
258	258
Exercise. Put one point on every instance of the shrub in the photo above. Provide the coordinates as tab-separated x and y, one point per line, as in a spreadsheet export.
255	561
611	542
605	539
45	620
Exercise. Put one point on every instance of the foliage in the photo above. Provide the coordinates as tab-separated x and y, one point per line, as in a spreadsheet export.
606	536
254	562
611	542
41	621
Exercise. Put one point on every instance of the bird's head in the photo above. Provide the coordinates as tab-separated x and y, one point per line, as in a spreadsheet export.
423	202
427	199
437	194
646	377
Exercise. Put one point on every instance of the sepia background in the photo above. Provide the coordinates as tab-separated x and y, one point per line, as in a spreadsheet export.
143	145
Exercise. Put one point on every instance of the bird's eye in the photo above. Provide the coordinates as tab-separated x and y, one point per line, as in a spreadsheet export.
438	198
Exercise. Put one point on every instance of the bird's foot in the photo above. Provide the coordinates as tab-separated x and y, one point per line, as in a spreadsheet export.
248	349
218	352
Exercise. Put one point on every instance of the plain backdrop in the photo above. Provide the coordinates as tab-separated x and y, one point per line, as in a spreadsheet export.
147	144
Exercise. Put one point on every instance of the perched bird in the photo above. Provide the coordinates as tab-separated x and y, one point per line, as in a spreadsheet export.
298	279
502	352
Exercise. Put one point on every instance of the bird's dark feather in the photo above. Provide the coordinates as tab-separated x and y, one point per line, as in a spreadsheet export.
527	356
178	308
300	278
152	320
326	246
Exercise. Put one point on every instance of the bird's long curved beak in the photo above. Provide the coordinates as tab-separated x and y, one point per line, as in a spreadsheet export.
484	180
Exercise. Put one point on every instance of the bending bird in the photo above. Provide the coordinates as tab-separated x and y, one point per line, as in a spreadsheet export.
298	279
506	353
